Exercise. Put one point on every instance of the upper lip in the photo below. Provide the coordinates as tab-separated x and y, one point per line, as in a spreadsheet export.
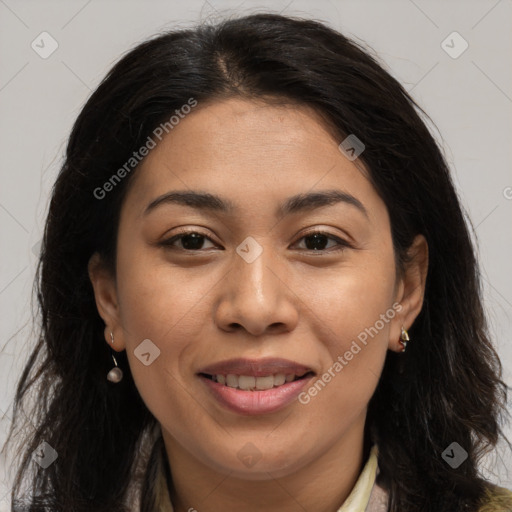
256	367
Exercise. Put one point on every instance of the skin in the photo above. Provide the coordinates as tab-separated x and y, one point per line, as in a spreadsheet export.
210	305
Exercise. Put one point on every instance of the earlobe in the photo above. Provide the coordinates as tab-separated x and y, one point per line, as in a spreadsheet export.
105	294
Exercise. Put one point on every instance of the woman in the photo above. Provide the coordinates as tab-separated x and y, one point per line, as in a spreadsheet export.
203	347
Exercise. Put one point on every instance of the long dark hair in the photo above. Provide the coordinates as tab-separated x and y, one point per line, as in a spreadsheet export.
449	386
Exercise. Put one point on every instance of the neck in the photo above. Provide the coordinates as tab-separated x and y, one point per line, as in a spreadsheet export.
322	484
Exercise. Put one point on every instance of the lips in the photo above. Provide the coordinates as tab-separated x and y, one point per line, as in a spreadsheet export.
249	387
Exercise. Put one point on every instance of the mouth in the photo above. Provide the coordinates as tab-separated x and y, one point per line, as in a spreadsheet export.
252	387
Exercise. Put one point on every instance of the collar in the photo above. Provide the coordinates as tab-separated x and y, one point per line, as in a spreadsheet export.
367	495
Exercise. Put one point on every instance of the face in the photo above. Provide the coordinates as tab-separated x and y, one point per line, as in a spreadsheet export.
303	287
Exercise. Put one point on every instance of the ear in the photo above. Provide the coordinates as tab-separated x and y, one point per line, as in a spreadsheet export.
410	290
105	294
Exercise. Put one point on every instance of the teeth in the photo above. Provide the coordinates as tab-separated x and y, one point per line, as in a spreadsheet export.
251	383
232	381
280	379
263	382
247	382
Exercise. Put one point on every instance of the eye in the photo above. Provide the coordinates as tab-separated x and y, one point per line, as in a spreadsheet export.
317	242
190	241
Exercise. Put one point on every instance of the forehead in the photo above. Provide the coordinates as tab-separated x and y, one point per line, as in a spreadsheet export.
237	130
252	152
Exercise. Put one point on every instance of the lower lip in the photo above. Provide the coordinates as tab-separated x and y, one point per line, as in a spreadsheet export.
256	402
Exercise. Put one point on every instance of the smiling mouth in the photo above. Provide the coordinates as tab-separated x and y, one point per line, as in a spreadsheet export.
252	383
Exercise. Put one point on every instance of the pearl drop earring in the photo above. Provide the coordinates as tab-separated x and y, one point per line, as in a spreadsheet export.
115	375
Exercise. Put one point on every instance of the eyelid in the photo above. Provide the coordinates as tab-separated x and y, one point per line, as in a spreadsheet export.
183	232
342	244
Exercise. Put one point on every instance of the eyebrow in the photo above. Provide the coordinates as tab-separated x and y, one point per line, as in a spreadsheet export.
295	204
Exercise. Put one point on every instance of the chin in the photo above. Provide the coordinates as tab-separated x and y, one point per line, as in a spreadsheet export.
251	463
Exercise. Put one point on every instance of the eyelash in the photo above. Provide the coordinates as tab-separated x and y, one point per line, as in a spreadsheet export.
342	244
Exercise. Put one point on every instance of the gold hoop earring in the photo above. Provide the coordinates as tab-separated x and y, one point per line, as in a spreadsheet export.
404	338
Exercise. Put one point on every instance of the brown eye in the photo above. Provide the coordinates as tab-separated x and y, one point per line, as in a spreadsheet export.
317	241
190	241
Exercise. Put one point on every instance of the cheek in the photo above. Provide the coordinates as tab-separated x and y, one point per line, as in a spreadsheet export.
161	304
158	299
353	311
350	299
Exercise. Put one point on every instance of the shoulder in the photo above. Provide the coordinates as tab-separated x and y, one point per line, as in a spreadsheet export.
497	499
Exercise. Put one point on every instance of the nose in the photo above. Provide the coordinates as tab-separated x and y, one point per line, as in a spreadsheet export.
256	297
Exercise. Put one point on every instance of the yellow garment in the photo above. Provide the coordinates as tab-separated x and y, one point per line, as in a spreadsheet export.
498	499
358	499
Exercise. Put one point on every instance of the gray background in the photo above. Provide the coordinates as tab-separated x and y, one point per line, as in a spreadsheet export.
469	98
